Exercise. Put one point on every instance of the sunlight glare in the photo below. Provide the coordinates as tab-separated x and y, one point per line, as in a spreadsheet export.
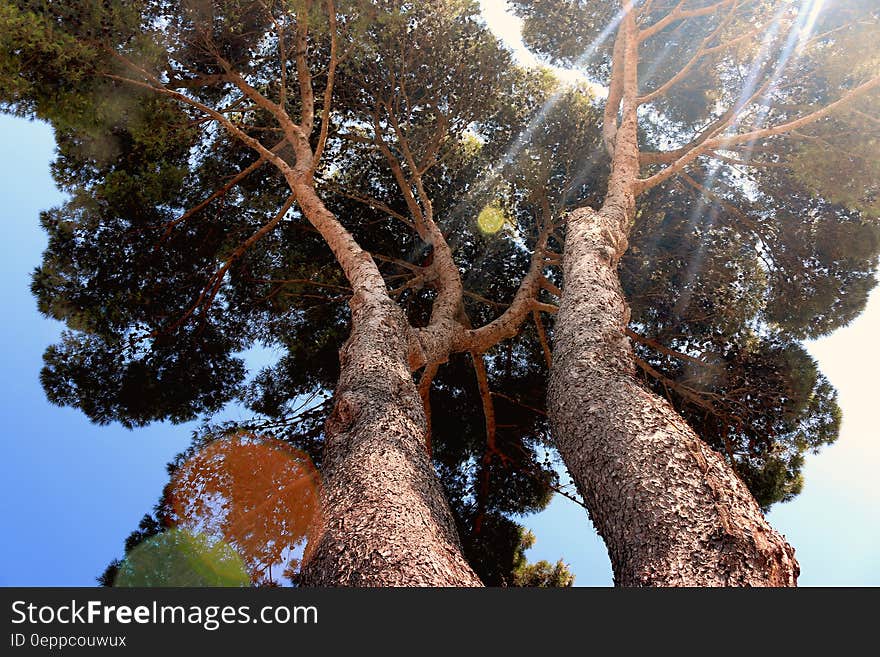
491	219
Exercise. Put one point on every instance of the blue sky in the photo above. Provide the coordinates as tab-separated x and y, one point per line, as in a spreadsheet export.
70	491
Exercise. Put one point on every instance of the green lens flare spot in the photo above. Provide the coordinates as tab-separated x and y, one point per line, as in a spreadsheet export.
180	558
491	219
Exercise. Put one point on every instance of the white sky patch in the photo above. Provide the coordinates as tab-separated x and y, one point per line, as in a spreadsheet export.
850	360
507	27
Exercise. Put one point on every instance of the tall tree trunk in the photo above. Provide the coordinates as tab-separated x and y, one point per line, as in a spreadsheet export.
385	520
670	509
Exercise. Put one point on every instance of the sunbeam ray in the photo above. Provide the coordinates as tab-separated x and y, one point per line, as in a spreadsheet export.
492	174
748	89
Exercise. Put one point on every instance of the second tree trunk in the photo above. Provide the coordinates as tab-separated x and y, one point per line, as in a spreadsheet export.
672	512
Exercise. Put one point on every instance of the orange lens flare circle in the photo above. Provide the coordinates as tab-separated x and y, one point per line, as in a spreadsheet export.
260	495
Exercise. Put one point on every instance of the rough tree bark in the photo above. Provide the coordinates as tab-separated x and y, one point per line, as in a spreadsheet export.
671	510
386	521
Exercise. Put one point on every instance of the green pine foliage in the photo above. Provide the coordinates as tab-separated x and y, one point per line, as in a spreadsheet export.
727	283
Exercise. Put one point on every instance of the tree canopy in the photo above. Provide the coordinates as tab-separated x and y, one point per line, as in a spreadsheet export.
180	247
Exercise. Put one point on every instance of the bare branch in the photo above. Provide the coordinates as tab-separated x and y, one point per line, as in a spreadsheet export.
209	292
282	56
542	337
742	216
156	85
704	50
723	142
663	349
425	393
679	13
484	300
328	90
370	202
748	163
402	182
244	173
684	391
307	96
649	157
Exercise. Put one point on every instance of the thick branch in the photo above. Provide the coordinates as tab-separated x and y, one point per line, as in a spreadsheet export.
508	323
615	93
491	448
